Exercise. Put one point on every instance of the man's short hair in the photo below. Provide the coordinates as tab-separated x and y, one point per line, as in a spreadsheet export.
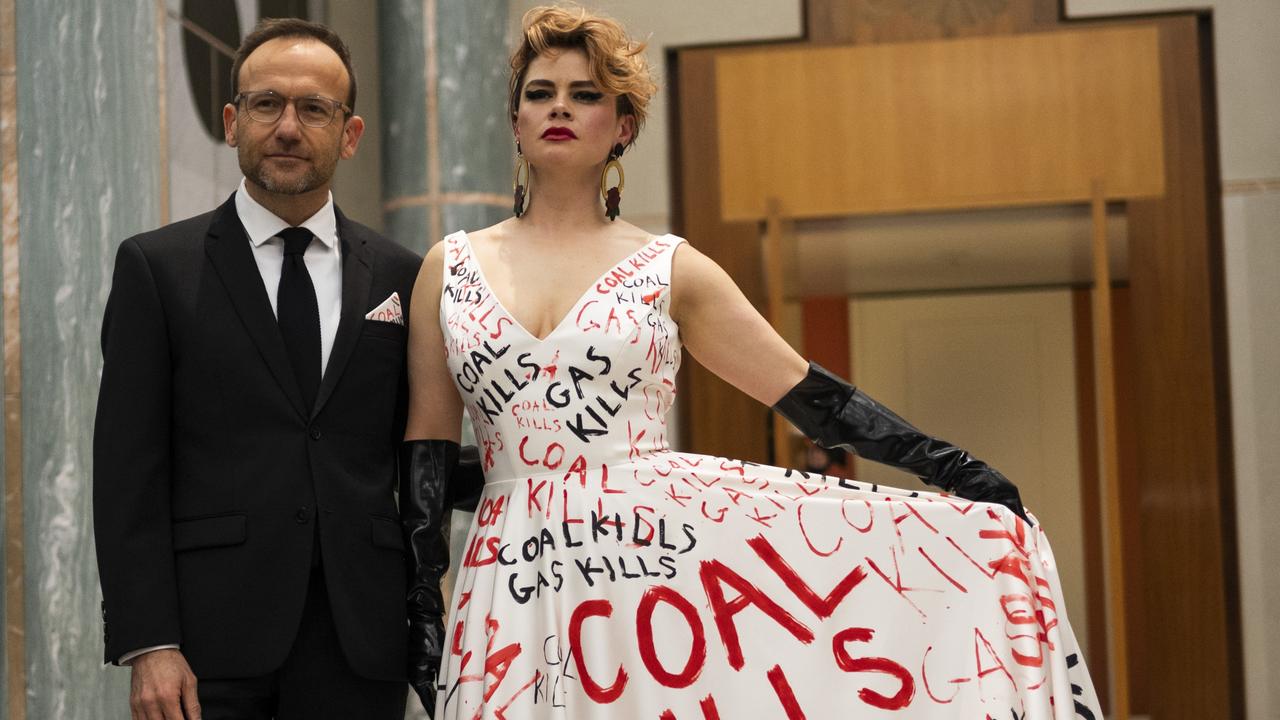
272	28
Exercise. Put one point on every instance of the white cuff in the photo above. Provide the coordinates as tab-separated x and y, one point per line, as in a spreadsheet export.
129	657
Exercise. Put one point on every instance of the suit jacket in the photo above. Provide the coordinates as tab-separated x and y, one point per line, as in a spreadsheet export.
210	476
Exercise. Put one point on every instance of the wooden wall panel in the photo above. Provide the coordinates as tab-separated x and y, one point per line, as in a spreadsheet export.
825	328
1023	119
1140	680
1183	438
716	418
876	21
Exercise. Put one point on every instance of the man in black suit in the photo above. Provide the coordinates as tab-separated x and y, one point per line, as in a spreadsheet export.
252	399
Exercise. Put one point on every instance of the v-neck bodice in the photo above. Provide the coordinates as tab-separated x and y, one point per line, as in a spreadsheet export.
597	386
619	269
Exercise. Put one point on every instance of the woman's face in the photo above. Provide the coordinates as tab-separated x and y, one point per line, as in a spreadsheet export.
563	118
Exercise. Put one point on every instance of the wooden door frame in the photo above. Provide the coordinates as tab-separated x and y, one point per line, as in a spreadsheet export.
1181	441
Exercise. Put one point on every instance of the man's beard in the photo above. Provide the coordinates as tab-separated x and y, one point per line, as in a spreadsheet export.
315	176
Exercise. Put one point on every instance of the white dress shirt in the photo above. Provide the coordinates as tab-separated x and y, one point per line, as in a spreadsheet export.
323	258
324	263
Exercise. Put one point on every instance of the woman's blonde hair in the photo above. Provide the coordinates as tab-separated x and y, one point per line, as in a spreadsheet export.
616	63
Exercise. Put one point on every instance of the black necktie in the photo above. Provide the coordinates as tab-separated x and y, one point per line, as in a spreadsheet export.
299	314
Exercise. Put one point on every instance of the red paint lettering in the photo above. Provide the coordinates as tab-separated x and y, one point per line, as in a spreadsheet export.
644	634
997	664
924	675
785	694
848	663
598	693
713	574
490	510
941	572
483	551
579	468
823	607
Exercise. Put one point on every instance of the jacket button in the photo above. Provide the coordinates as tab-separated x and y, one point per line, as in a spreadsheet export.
315	433
303	515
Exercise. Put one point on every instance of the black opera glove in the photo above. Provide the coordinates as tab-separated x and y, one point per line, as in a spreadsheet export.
466	486
835	414
426	470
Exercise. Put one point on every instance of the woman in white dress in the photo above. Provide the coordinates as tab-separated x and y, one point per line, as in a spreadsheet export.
606	575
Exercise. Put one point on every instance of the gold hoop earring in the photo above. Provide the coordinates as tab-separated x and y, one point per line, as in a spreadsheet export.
613	195
520	189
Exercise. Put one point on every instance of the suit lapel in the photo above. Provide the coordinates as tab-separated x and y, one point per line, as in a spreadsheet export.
357	277
228	249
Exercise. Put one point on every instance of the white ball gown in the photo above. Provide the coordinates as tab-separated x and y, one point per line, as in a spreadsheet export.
606	576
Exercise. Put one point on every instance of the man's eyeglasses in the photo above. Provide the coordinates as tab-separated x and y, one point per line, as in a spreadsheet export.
266	106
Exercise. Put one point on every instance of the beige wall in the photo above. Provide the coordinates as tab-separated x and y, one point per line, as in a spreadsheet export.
1247	53
1253	294
357	187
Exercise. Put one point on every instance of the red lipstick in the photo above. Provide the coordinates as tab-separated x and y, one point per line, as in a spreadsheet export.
558	133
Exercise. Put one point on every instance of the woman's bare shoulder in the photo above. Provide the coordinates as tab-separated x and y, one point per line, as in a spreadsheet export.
698	281
435	255
689	263
626	233
495	233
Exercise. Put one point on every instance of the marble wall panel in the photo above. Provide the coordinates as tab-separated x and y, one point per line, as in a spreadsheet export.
4	656
446	145
476	149
402	62
89	154
8	235
408	226
471	216
9	227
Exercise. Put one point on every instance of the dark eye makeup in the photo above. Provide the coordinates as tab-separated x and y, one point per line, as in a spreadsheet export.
540	92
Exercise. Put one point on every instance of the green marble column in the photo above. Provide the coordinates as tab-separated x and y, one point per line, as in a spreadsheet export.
476	146
8	239
446	143
90	176
403	92
446	148
8	187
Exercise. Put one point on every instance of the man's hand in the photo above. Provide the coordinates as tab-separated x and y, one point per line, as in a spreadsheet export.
164	688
